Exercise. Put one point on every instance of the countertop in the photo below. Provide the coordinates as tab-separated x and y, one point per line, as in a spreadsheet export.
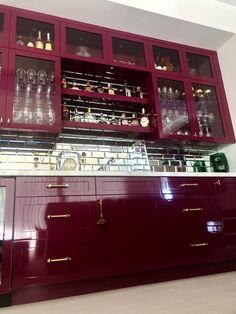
14	173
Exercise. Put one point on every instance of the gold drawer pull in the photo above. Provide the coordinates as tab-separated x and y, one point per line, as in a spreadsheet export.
188	184
58	216
199	244
55	260
101	220
197	209
57	186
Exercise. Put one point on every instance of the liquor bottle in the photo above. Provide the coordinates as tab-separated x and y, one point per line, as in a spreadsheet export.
64	82
134	120
48	43
123	119
144	121
19	40
65	112
89	117
113	120
100	89
102	119
39	43
139	92
88	87
126	90
110	90
77	116
75	85
30	42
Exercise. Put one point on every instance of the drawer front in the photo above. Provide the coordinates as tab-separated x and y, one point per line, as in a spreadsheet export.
52	219
186	185
36	264
126	185
54	186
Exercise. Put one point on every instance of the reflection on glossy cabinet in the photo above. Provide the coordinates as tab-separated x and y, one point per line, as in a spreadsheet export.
6	230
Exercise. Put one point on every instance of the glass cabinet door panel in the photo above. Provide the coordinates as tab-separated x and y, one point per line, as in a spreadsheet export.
0	68
128	52
174	113
1	25
34	34
166	59
34	91
2	215
199	65
208	114
84	44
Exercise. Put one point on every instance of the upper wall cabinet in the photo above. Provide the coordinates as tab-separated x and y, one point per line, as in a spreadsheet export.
83	42
4	27
128	51
34	32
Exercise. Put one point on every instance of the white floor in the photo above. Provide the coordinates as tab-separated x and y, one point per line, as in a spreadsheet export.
215	294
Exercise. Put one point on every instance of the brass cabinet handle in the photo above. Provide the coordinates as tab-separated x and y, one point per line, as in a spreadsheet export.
217	182
55	260
57	186
197	209
188	184
58	216
101	220
199	244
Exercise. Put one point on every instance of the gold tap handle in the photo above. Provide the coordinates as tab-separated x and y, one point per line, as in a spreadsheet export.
198	244
197	209
57	186
188	184
58	216
55	260
101	221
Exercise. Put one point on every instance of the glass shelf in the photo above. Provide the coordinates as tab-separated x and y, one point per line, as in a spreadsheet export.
166	59
34	34
199	65
208	114
174	113
84	44
128	52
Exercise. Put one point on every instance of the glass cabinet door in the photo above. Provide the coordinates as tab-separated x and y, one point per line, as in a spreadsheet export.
205	101
4	27
1	25
173	105
127	52
166	59
3	81
6	221
199	65
35	92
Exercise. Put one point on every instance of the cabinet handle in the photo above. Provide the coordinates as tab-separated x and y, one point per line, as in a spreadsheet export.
58	216
101	220
188	184
57	186
198	244
197	209
55	260
217	182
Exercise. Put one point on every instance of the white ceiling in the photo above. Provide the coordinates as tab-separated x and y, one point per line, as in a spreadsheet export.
231	2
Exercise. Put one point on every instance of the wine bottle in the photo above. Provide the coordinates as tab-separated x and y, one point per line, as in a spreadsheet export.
126	90
110	90
30	42
124	120
48	43
39	43
89	117
64	82
144	121
65	112
139	92
100	89
134	120
19	40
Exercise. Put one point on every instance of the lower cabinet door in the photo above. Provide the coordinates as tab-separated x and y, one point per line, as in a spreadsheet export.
130	232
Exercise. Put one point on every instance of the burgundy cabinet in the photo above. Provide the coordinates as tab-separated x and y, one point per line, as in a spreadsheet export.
83	42
34	32
190	222
6	230
128	223
33	100
226	189
3	84
4	26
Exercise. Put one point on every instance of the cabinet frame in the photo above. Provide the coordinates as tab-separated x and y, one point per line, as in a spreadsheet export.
3	86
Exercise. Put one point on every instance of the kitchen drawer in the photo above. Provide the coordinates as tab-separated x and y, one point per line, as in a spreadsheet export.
54	186
54	220
127	185
187	185
35	263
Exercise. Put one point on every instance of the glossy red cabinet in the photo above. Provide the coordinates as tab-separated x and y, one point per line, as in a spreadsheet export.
3	84
4	26
6	232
